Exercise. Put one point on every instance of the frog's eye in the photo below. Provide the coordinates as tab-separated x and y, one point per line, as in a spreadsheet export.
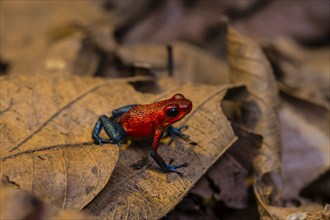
172	112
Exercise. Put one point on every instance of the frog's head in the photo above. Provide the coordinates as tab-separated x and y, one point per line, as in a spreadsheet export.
176	108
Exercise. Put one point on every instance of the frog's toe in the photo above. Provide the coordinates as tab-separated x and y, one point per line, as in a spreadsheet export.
97	140
173	168
177	132
178	166
184	165
106	141
181	165
183	128
102	141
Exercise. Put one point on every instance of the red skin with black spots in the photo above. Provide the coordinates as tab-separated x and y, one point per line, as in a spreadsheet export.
143	121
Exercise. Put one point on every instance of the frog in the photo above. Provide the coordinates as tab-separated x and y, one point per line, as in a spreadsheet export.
143	121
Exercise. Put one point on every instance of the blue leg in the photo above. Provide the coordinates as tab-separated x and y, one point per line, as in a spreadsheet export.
119	111
164	166
159	160
114	130
176	132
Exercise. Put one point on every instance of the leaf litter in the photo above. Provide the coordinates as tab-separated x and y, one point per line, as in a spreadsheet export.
51	153
25	136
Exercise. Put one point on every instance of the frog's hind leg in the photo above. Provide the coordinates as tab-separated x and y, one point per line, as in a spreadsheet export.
159	160
164	166
119	111
113	129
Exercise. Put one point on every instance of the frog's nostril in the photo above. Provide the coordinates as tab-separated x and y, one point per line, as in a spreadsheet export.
190	106
187	106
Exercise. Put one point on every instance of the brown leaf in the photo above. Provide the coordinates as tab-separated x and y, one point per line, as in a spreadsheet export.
249	65
230	173
26	43
42	127
29	105
303	73
68	176
147	193
303	137
55	116
317	190
305	22
228	176
166	21
190	64
308	212
17	204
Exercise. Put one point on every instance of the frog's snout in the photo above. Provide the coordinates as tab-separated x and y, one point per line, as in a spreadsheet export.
186	106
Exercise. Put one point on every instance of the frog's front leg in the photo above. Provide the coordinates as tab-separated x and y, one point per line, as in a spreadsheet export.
159	160
113	129
177	132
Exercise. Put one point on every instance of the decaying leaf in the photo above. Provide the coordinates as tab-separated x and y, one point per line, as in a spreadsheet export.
148	194
57	148
68	176
317	190
17	204
305	22
316	212
25	34
303	136
225	185
250	66
190	64
43	140
229	174
301	72
46	120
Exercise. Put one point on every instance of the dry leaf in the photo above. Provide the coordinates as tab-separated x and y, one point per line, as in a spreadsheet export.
149	194
307	212
17	204
24	33
42	131
317	190
229	174
306	22
303	137
53	118
301	72
68	176
190	64
249	65
166	21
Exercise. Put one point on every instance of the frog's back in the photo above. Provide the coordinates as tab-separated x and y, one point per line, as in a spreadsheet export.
140	121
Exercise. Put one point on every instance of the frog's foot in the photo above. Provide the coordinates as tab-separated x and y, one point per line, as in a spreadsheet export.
164	167
177	132
172	168
100	141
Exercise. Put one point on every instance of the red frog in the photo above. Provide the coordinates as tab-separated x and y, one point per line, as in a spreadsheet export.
143	121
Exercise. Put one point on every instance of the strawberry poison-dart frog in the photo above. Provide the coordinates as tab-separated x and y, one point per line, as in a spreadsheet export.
142	121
